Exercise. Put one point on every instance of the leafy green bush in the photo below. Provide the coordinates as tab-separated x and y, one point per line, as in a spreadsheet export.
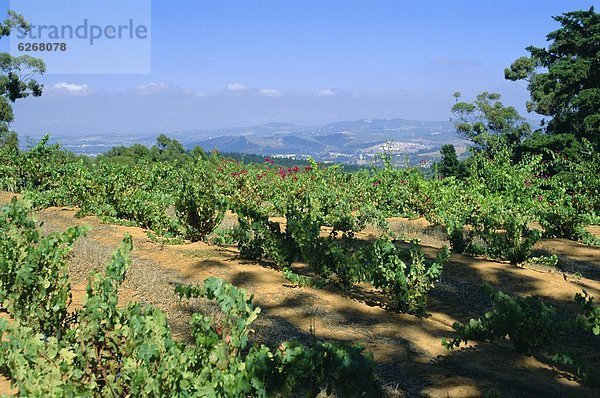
344	259
527	322
406	284
490	213
103	349
589	313
588	319
531	325
225	236
34	285
199	203
302	280
259	238
588	372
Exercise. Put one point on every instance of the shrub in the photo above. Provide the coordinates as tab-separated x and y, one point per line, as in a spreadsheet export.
527	322
407	284
103	349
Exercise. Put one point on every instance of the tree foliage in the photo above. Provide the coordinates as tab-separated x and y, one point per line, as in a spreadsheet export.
450	165
564	78
16	79
488	124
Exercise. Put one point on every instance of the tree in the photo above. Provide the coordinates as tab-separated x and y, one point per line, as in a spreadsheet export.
8	139
564	79
169	145
167	149
127	155
198	152
449	165
488	124
16	79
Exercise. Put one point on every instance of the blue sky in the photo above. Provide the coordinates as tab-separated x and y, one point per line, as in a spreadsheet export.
234	63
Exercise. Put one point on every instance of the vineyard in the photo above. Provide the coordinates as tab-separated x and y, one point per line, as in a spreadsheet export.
315	228
170	272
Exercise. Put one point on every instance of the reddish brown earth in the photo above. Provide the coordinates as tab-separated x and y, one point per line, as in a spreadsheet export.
407	349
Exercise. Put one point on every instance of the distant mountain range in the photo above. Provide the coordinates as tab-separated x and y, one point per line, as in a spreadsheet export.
352	142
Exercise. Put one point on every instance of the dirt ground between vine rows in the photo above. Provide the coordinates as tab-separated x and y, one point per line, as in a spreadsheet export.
410	359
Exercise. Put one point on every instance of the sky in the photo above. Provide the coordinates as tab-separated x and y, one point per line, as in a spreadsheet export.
216	64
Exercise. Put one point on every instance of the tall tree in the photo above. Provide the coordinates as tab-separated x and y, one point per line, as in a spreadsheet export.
564	79
449	165
167	149
488	124
16	79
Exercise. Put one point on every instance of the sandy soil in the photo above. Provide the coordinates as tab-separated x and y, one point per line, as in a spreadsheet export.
407	349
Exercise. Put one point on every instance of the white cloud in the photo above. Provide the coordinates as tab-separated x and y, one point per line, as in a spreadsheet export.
270	92
236	87
326	93
151	88
71	88
193	93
